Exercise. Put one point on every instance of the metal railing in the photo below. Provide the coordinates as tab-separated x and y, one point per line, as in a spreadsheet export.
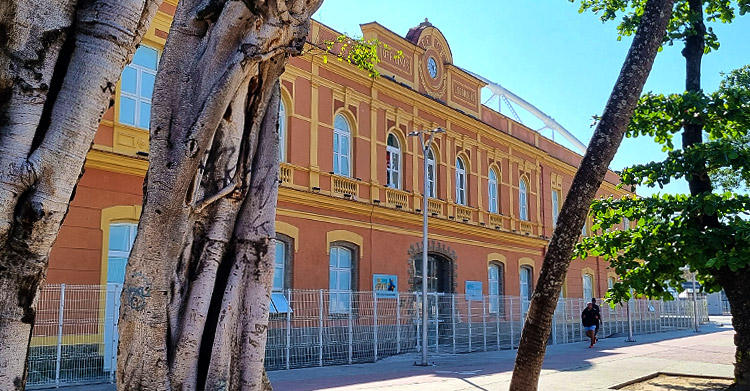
75	339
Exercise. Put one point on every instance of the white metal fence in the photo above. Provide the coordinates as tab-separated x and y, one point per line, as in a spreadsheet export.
75	339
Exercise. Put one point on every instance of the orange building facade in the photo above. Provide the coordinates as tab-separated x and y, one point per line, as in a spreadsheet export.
349	212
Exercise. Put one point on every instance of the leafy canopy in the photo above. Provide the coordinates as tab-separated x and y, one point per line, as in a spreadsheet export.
681	24
667	236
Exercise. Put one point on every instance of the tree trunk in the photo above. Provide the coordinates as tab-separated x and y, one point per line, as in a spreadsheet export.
59	65
195	301
588	179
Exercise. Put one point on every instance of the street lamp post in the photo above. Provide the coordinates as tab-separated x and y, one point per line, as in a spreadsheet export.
425	149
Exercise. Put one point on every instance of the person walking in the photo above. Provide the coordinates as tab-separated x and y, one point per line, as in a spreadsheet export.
589	318
598	316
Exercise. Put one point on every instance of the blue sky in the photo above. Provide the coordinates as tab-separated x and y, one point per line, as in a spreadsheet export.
563	62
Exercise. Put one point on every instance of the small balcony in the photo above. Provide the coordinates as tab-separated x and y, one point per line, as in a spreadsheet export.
527	227
435	207
463	213
286	173
344	186
496	221
396	198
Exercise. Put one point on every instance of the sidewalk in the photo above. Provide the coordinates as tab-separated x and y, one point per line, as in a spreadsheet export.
566	367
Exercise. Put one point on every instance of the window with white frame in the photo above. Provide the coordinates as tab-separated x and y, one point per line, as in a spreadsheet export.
523	202
555	206
525	284
340	280
121	238
393	162
137	87
492	191
460	182
610	282
431	174
341	146
495	278
282	131
281	276
588	286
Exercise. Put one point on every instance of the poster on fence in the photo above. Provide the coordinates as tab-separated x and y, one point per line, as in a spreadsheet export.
385	285
473	290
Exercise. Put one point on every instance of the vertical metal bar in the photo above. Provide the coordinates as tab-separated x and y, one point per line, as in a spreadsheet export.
484	323
350	326
497	321
453	320
510	312
59	334
418	300
374	325
437	324
695	306
398	323
468	304
289	328
320	328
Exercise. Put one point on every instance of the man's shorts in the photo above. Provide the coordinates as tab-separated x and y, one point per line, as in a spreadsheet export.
592	328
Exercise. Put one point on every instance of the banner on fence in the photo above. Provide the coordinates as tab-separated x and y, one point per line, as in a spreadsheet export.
385	285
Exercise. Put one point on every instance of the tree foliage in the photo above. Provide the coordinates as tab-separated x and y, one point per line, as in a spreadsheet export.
358	51
648	256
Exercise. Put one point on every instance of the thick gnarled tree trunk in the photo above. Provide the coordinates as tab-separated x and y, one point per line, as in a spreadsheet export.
601	150
59	63
197	285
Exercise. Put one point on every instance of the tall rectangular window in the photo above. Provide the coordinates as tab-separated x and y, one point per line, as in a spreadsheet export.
523	202
121	238
431	187
588	286
340	280
555	206
137	88
460	182
492	192
341	148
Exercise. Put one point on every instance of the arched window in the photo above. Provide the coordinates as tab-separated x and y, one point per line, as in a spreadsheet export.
393	162
341	273
610	282
555	206
121	238
431	174
460	182
341	146
584	230
588	286
492	191
282	131
523	202
137	87
496	277
525	283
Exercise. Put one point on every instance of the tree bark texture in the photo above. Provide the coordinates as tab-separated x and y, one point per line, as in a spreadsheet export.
59	63
602	147
195	301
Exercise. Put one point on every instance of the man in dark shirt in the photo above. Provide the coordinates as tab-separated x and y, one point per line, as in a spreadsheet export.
590	318
598	315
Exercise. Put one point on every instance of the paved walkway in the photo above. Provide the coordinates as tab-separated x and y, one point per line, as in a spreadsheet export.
566	367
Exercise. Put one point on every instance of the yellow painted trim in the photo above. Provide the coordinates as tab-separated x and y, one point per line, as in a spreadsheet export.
526	261
51	340
113	162
565	288
289	230
497	257
341	235
286	100
114	214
